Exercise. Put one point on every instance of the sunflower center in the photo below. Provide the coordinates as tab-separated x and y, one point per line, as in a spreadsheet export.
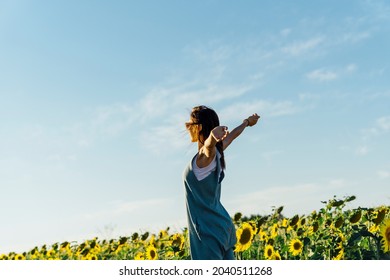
388	234
269	252
245	236
297	246
176	242
152	254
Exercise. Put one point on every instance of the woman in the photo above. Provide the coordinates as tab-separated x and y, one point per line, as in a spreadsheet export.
211	231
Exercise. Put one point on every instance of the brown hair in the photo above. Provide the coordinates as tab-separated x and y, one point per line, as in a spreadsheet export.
208	118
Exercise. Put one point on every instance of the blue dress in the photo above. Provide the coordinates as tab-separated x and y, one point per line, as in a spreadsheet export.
211	231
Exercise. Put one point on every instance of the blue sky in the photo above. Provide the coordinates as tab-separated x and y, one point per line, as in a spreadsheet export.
94	96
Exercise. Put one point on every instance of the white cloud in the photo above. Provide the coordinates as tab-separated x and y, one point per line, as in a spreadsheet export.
327	75
207	95
213	52
298	48
383	174
362	151
285	32
351	68
379	11
355	37
165	138
240	110
113	119
322	75
381	126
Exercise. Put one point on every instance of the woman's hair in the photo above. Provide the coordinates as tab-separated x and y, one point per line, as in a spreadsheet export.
208	118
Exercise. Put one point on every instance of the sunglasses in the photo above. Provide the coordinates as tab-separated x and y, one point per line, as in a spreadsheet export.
189	124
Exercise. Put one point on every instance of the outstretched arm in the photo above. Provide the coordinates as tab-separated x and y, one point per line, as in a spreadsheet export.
251	121
208	150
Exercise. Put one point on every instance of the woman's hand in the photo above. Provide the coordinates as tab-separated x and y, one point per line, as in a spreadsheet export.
207	151
219	133
252	120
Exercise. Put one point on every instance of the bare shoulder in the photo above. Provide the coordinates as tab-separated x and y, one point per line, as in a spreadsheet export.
205	157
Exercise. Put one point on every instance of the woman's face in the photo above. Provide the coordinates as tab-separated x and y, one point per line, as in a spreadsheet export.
193	130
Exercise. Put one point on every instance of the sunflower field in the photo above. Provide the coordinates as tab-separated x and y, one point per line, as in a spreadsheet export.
332	233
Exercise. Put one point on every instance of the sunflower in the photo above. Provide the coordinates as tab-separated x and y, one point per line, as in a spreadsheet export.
385	234
302	222
311	230
97	249
254	226
64	249
244	237
162	234
340	255
139	256
151	253
274	230
380	215
91	257
296	247
263	235
51	254
269	252
355	217
237	217
341	237
152	241
374	228
294	220
339	222
340	252
19	257
169	255
276	256
177	241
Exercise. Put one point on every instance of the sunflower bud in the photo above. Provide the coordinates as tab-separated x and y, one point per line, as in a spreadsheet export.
315	226
134	236
339	222
381	215
122	240
237	216
279	210
294	220
144	236
356	217
337	203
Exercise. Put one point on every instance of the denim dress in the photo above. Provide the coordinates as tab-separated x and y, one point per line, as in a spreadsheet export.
211	230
